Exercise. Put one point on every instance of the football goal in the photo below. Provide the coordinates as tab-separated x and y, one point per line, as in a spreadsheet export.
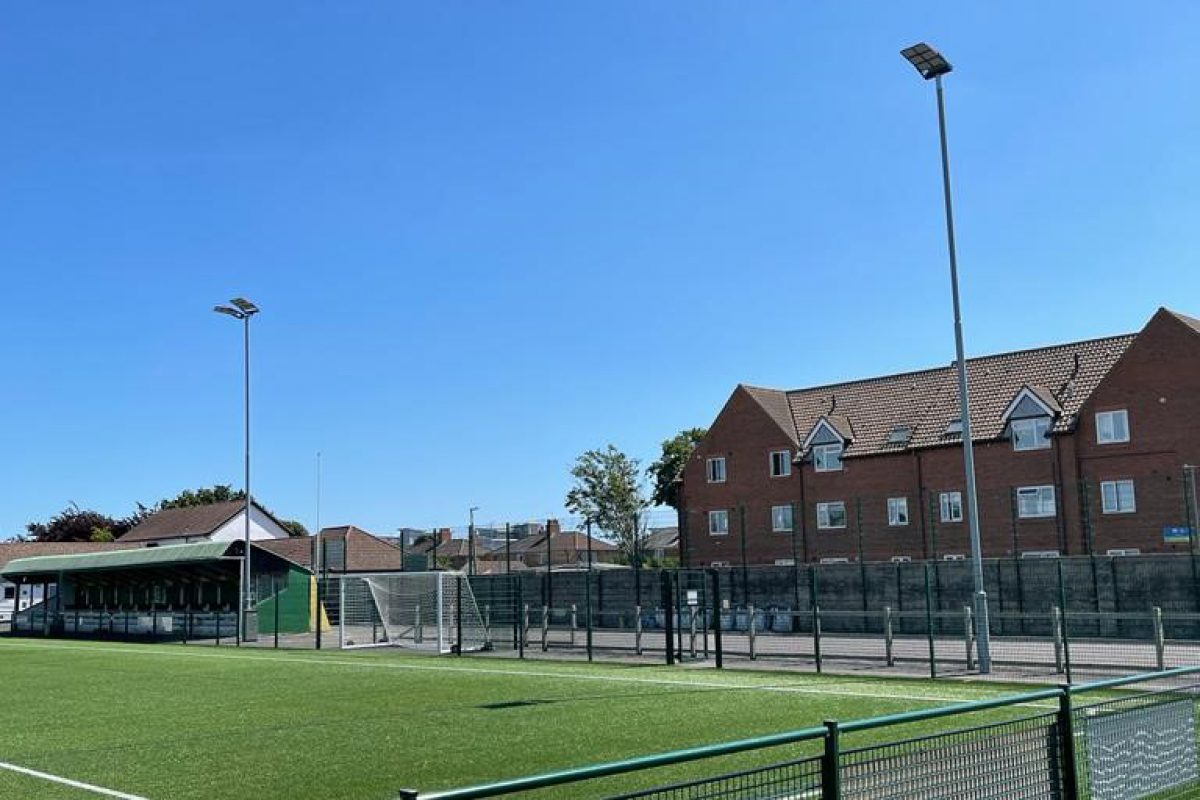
433	611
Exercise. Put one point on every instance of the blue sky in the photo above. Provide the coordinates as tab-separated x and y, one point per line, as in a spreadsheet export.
489	236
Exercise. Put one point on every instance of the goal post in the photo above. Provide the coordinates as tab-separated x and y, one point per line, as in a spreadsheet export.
430	611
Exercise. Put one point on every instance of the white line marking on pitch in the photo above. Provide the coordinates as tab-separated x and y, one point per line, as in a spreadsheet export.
87	787
379	664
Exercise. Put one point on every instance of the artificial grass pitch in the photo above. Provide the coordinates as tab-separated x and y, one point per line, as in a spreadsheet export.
179	722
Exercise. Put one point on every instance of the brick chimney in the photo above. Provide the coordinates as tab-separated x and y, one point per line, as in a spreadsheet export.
553	528
443	535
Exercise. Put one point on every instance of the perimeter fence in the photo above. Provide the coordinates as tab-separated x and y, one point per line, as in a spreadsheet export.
911	617
1116	739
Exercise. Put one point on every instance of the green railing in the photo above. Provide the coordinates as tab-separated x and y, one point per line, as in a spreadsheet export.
1038	753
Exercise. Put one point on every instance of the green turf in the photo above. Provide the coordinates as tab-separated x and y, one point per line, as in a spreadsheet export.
180	722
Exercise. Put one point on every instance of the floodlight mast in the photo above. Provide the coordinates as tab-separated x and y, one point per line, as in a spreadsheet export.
243	310
933	65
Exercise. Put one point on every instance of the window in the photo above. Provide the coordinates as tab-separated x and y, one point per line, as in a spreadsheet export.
901	559
827	457
716	470
1123	551
951	503
718	522
1031	434
900	434
785	562
954	428
1116	497
781	463
1035	501
1112	427
10	592
897	511
954	557
781	518
1039	554
718	563
835	560
831	515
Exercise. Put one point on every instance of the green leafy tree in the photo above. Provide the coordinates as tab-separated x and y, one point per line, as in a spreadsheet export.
667	472
294	527
220	493
608	491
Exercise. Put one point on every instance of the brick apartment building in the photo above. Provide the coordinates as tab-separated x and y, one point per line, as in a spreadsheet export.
1080	448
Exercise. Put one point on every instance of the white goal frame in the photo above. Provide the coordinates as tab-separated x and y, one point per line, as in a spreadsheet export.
428	611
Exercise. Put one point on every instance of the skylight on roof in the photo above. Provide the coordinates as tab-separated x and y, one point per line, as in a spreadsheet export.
901	434
954	427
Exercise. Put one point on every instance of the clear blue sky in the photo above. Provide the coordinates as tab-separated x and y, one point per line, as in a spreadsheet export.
489	236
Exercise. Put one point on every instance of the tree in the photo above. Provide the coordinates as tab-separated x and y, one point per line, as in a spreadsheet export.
75	524
608	491
294	527
220	493
667	471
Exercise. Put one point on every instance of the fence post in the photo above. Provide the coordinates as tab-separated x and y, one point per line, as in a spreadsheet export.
1160	642
342	614
545	628
831	773
969	635
692	624
418	628
458	582
668	602
637	630
574	624
753	629
716	611
275	595
1066	733
929	624
887	635
1056	632
523	639
814	591
587	580
1066	630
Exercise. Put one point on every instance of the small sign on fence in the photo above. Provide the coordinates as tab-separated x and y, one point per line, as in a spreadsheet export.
1177	534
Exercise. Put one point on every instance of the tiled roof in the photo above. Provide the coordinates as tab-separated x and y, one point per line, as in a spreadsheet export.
659	538
1191	322
567	540
775	403
365	552
927	400
11	551
172	523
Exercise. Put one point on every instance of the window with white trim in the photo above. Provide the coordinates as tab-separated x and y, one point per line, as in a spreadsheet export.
1031	434
718	563
1117	497
10	592
781	519
951	506
718	522
1035	501
831	515
785	562
716	470
827	457
781	463
1112	427
897	511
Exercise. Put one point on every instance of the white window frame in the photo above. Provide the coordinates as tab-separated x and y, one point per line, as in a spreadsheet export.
1116	507
1041	493
1107	418
894	505
715	465
791	519
718	563
785	462
822	452
835	560
824	509
901	559
954	557
721	513
1040	440
785	562
946	505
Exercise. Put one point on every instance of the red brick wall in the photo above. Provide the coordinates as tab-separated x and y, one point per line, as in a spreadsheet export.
1158	381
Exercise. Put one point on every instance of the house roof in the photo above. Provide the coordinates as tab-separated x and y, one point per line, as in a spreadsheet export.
129	558
364	551
1191	322
927	400
567	540
11	551
176	523
775	403
662	538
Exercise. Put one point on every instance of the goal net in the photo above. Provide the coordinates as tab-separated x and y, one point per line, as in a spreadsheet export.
434	611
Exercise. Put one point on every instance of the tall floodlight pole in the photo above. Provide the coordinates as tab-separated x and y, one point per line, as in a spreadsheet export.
471	542
932	66
242	309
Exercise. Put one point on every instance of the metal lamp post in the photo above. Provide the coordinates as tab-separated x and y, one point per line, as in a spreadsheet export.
242	309
471	542
932	66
